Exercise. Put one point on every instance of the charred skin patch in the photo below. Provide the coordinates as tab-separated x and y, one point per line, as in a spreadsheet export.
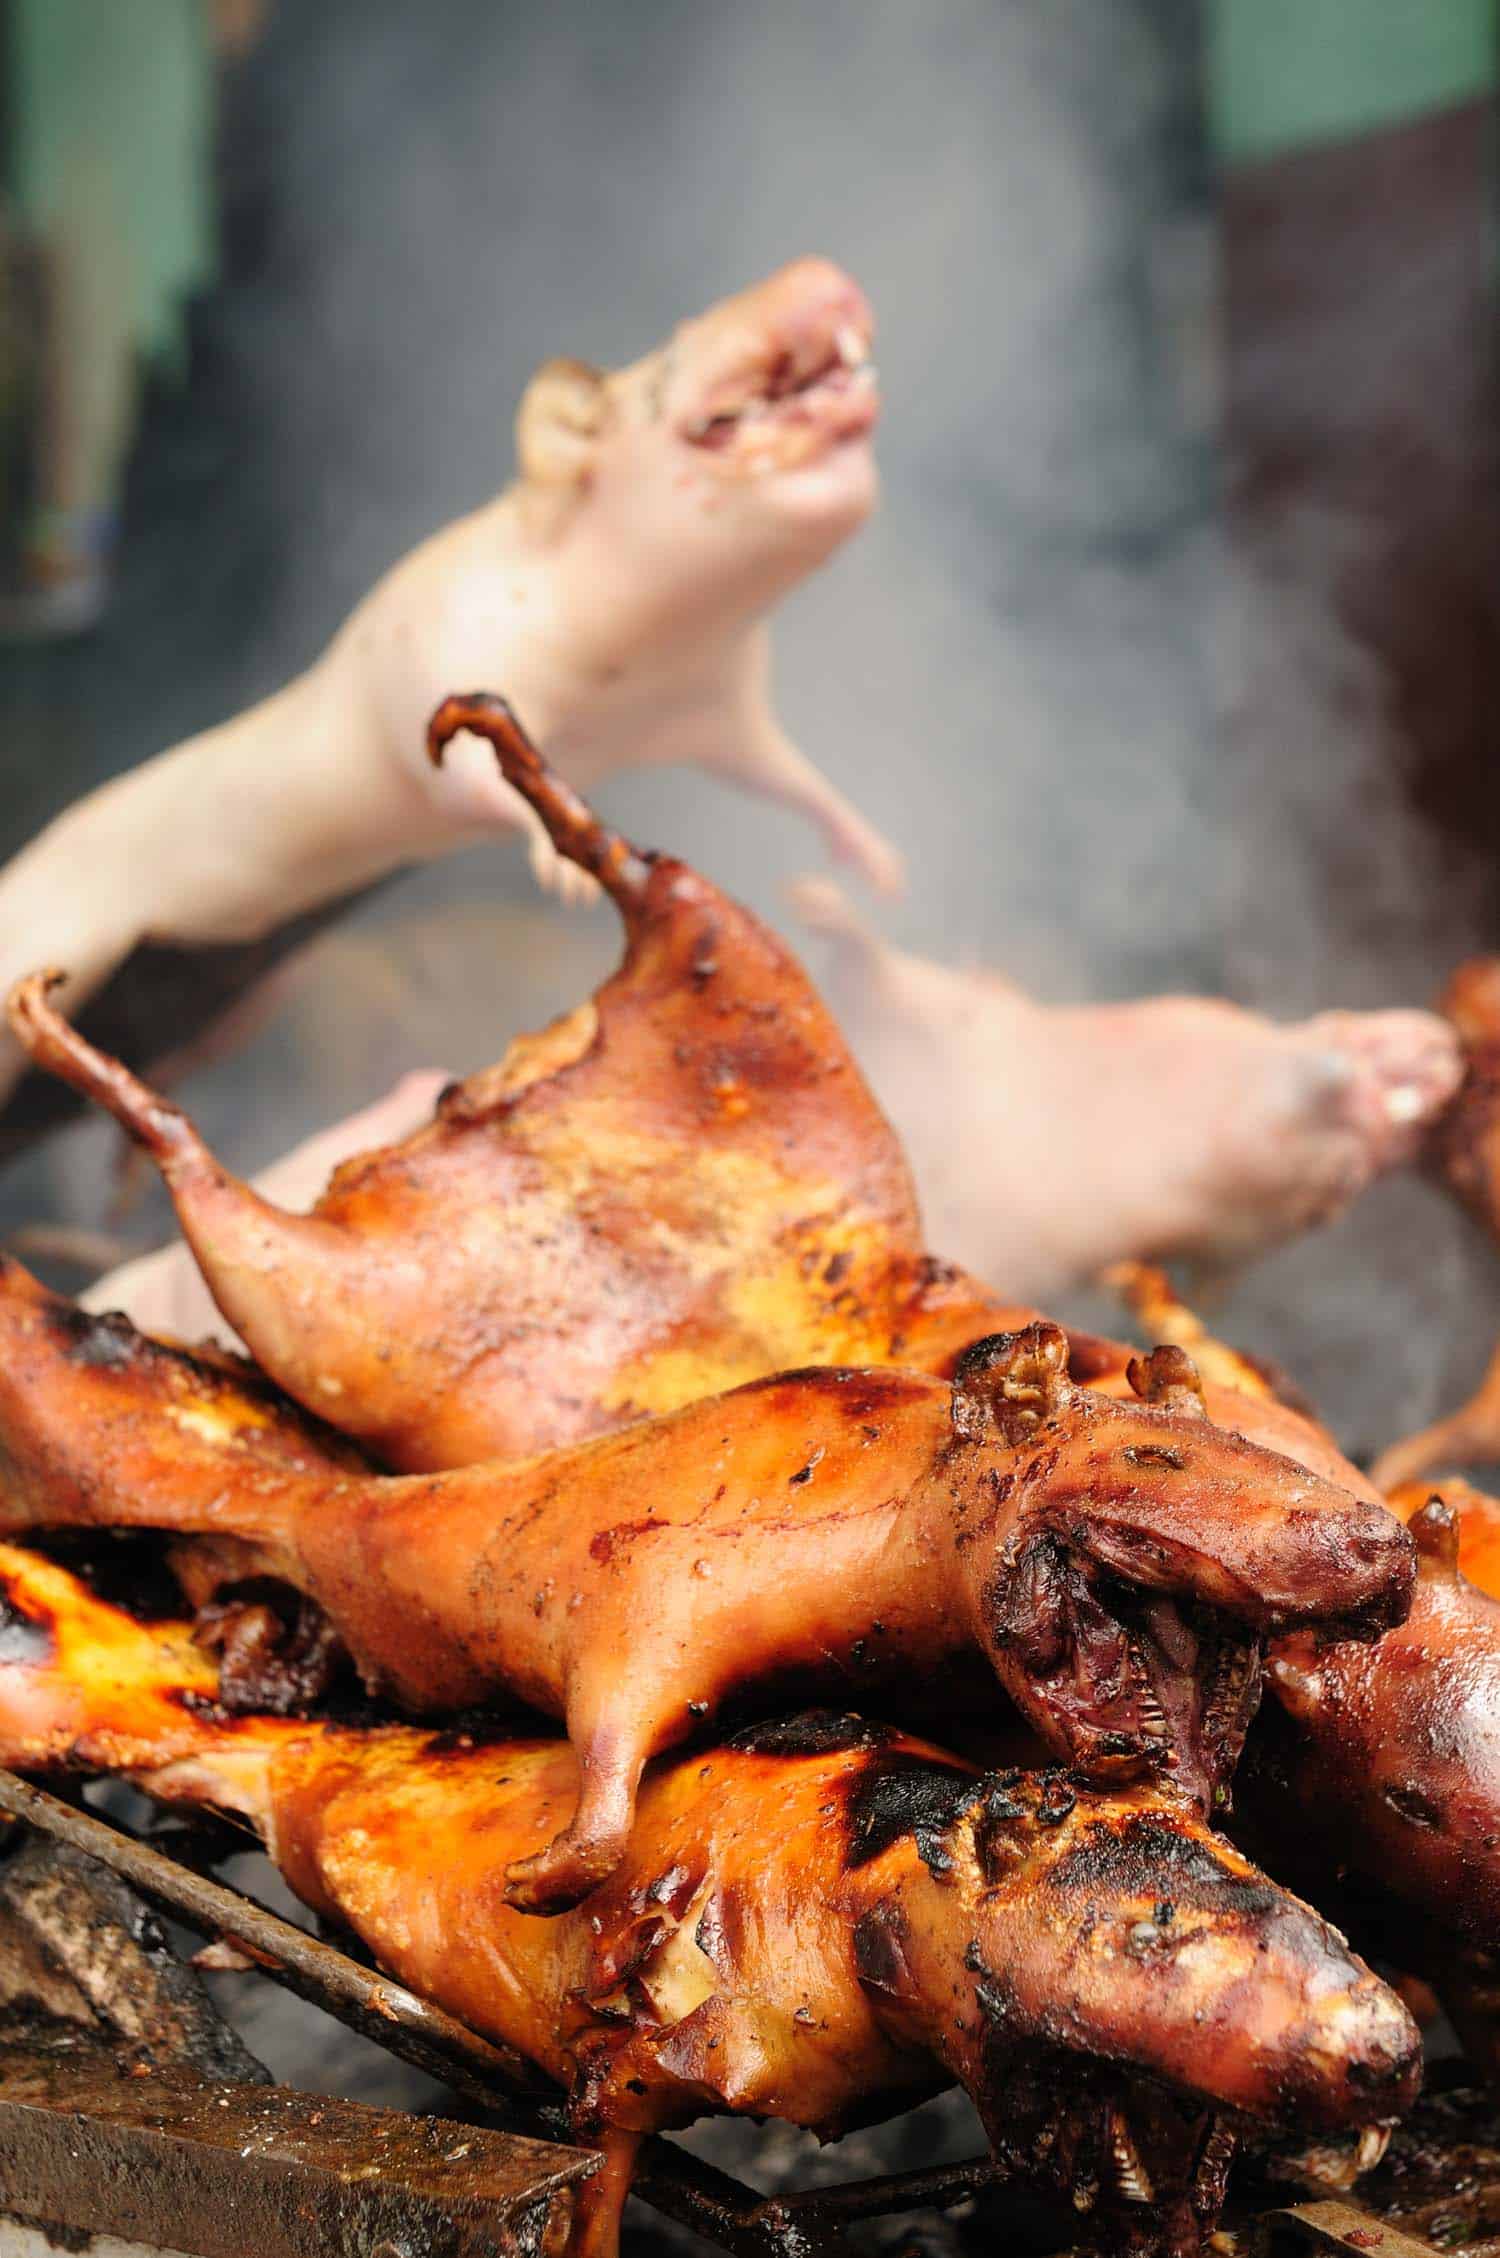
815	1732
466	1734
108	1343
897	1794
210	1375
27	1631
1147	1857
1012	1805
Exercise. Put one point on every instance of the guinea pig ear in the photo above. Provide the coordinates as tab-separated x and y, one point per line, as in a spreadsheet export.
558	423
1435	1531
1009	1385
1168	1380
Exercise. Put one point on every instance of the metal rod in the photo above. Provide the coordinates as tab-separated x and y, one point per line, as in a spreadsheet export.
395	2018
697	2194
933	2188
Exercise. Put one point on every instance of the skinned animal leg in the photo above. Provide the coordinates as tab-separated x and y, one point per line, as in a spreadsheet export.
783	771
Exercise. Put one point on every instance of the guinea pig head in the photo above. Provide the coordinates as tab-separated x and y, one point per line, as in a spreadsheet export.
1117	1986
1124	1563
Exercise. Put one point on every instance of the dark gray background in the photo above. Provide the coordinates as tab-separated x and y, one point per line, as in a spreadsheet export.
1021	668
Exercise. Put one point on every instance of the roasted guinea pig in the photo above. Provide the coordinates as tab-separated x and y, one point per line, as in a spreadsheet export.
682	1184
1381	1760
1387	1758
1435	1815
1115	1564
820	1921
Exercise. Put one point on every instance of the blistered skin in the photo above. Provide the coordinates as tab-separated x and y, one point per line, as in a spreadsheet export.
818	1922
1116	1564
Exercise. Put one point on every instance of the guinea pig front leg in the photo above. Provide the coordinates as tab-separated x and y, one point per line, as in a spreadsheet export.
598	2202
614	1727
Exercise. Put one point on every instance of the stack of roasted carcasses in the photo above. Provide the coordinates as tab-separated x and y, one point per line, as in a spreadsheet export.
626	1395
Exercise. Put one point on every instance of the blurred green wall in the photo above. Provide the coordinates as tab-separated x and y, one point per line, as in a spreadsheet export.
1284	73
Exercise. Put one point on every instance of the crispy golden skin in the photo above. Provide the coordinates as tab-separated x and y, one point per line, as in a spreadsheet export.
818	1921
680	1186
1114	1563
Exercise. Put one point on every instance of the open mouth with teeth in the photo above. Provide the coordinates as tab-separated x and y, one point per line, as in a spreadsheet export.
1123	1682
1141	2166
803	398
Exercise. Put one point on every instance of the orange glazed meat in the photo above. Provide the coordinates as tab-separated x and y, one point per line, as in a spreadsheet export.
1115	1565
820	1921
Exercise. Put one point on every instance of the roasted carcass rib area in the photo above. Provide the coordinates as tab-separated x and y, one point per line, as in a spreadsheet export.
624	1402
